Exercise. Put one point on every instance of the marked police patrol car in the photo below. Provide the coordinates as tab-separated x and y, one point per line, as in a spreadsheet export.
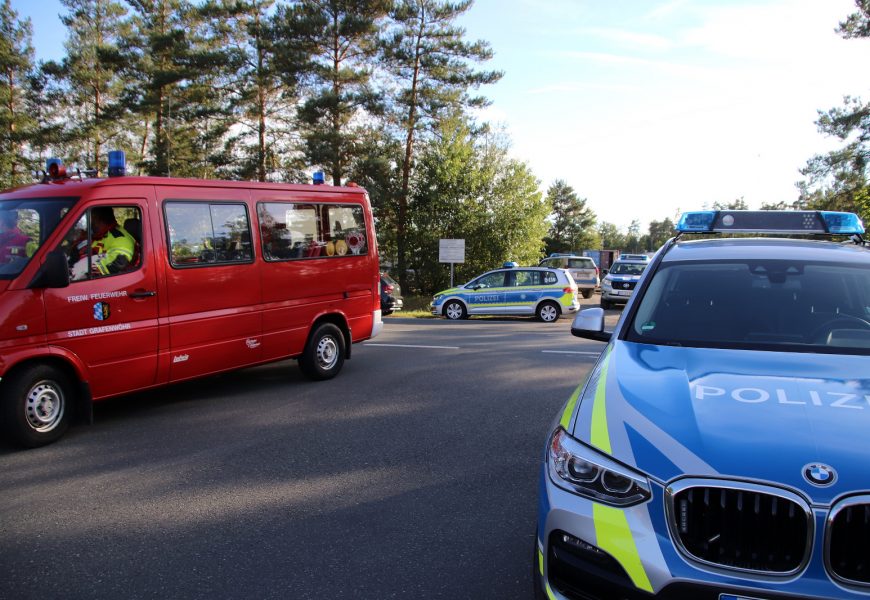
618	285
718	448
545	293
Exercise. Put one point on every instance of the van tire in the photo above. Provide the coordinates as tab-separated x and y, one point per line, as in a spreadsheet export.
36	405
587	293
324	353
548	312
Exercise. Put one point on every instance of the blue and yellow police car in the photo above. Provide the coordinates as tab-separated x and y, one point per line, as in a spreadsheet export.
719	447
544	292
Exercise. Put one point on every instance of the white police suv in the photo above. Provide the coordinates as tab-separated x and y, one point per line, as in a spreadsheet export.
719	448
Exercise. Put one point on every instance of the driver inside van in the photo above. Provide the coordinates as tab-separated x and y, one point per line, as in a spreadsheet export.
13	242
112	246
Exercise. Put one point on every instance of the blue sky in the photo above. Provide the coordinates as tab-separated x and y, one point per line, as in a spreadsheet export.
647	107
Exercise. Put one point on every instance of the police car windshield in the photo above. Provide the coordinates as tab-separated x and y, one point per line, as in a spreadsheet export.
24	225
757	304
627	268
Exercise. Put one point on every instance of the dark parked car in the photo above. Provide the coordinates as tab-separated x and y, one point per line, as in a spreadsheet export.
391	295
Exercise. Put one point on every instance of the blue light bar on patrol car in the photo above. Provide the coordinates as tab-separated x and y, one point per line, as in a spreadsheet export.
770	221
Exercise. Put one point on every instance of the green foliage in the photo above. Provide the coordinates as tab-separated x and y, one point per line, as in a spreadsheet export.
16	123
573	223
431	63
659	233
839	180
94	83
341	37
738	204
467	187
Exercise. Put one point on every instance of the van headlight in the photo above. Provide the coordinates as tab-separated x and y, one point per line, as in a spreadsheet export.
582	470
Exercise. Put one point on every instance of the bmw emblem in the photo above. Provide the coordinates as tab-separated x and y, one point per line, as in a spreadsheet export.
819	474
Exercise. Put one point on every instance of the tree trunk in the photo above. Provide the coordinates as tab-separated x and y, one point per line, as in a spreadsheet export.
402	217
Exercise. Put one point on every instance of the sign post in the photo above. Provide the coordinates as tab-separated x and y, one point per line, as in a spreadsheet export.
451	251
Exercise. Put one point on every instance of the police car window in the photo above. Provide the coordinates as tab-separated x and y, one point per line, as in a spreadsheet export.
549	278
757	304
203	233
580	263
105	241
527	278
490	280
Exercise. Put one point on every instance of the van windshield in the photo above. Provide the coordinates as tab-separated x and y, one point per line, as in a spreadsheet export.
24	225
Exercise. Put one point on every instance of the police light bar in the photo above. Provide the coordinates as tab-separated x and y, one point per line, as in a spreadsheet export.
770	221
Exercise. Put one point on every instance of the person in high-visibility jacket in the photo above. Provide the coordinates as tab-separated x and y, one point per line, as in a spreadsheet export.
111	243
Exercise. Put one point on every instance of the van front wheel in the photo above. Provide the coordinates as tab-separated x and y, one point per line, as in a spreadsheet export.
323	356
35	405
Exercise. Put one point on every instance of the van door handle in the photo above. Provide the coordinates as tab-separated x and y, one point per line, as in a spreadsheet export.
142	294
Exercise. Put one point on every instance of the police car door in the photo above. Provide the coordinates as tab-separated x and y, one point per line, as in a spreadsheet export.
107	317
524	291
487	296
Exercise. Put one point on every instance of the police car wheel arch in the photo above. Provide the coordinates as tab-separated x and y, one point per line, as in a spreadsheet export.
455	309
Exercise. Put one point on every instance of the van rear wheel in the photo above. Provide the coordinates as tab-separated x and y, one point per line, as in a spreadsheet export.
323	356
35	405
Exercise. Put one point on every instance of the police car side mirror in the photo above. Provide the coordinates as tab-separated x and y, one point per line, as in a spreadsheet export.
589	324
53	273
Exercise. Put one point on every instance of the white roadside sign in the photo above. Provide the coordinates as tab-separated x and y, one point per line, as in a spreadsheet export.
451	251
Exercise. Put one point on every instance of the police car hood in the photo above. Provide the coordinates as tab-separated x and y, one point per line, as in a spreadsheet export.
739	413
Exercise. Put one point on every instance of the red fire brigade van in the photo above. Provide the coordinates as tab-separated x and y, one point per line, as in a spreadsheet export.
126	283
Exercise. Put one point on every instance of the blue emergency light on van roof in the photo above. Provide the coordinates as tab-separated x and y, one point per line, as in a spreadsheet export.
318	178
510	265
770	221
117	163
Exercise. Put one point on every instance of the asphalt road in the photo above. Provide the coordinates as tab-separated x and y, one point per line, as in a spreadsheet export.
410	475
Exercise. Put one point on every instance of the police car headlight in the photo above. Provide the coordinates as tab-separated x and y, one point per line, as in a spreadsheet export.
435	299
606	284
582	470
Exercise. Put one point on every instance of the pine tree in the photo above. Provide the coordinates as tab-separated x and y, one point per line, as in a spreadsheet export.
16	124
430	60
261	92
341	36
573	227
94	26
178	71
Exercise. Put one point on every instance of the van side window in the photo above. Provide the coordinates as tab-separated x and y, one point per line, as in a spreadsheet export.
203	233
106	240
293	230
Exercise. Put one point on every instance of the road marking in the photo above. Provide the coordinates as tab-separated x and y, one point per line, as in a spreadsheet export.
570	352
413	346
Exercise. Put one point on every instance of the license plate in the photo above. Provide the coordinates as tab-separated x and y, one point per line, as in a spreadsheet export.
733	597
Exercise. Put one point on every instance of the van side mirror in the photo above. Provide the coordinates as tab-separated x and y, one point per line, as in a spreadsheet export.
589	324
53	273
